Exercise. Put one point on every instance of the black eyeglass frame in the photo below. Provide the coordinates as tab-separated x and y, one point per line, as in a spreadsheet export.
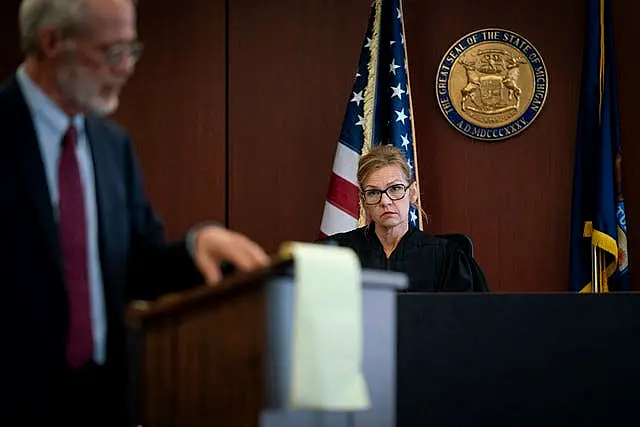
363	194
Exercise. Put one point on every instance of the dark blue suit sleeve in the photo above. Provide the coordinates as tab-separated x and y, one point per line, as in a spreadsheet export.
155	267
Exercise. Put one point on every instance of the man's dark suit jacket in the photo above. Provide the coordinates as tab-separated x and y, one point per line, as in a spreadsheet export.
135	261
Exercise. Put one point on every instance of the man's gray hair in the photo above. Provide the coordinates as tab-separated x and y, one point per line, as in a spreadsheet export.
64	15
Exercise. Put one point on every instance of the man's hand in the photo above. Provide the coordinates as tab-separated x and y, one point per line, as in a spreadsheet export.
214	244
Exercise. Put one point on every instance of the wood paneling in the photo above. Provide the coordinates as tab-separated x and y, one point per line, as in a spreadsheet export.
174	110
290	70
512	197
290	75
291	67
627	33
10	55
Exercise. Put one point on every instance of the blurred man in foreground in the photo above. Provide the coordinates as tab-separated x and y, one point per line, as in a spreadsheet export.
78	237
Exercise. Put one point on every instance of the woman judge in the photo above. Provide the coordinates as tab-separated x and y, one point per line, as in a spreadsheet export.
389	242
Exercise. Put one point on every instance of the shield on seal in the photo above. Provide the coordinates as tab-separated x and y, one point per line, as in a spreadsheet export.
491	90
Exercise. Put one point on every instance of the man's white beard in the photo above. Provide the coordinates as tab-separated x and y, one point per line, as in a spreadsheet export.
78	84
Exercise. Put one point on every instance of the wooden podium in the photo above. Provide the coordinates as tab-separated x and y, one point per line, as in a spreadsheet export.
197	356
221	356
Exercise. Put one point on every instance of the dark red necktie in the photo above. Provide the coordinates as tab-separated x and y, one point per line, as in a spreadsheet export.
73	243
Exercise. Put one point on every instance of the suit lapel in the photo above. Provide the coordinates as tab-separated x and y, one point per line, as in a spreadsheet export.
101	167
102	170
29	159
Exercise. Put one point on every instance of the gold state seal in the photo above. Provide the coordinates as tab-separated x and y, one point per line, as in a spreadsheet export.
491	84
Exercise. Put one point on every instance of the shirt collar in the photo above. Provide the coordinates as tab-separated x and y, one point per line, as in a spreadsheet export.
44	108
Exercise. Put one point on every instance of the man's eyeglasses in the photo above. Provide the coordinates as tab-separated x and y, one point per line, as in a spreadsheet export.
395	192
115	53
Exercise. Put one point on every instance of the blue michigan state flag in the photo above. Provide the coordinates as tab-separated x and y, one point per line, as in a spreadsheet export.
598	220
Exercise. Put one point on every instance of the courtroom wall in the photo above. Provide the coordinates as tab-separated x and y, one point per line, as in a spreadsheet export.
291	67
627	33
10	44
236	108
512	197
175	110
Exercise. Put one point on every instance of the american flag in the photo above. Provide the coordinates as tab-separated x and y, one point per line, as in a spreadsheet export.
379	111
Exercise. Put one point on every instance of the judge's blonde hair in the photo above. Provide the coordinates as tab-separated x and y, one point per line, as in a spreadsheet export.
379	157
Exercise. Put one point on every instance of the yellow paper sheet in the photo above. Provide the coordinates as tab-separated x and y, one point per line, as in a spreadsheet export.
327	331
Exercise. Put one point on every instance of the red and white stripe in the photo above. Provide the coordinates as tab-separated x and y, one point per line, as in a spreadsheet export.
342	208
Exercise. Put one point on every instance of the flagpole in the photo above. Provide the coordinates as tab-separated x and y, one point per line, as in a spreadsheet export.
597	258
413	128
595	276
370	94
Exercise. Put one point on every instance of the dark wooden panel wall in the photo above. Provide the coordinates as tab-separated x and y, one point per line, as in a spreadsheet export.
245	132
291	67
175	110
627	32
10	39
513	197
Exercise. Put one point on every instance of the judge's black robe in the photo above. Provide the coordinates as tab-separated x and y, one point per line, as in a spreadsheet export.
432	263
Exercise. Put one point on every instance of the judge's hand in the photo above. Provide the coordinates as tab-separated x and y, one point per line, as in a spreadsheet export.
216	244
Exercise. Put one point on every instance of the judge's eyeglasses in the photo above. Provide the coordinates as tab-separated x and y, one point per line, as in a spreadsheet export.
394	192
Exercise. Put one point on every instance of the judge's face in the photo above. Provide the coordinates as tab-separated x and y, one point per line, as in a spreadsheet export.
387	212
